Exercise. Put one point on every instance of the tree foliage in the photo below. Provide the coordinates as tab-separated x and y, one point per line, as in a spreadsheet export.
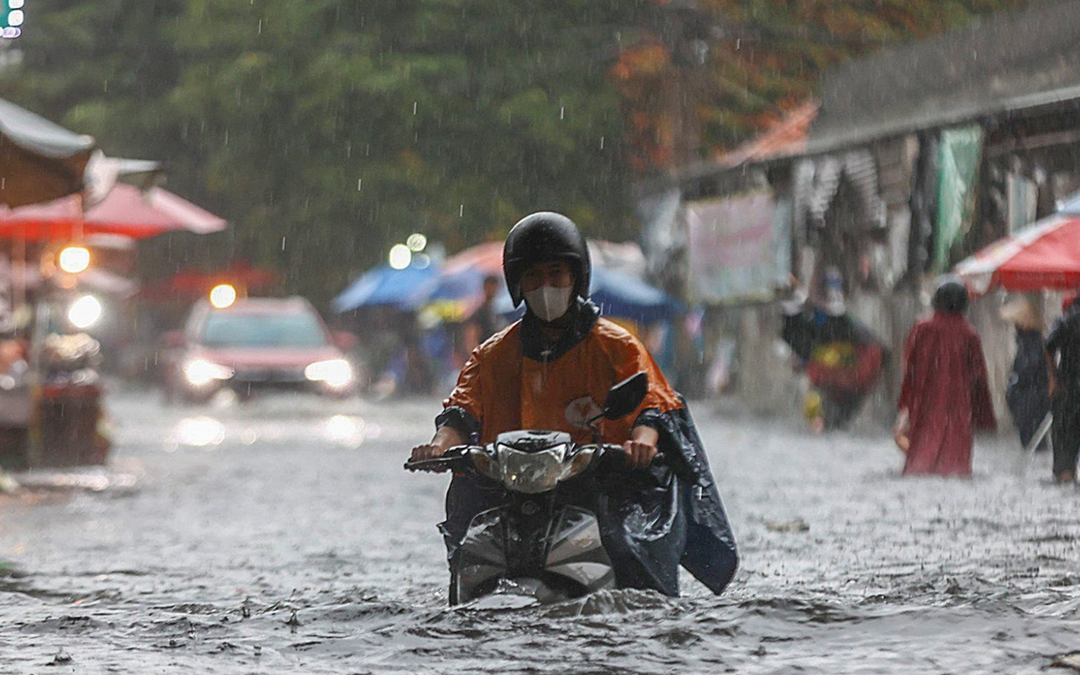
764	57
326	130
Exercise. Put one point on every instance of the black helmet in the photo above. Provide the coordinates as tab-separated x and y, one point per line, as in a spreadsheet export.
951	296
541	237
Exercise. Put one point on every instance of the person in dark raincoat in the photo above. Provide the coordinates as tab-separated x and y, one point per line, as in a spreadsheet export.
944	394
842	358
1063	361
552	370
1028	390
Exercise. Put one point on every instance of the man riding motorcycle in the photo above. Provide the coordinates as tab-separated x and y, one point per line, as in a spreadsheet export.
551	370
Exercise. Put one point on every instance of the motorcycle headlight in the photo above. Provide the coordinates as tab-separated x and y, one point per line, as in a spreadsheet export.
200	372
336	373
531	472
579	462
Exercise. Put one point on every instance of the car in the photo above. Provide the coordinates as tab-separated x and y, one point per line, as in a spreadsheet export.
256	344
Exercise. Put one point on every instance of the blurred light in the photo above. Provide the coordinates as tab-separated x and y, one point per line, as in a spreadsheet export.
416	242
345	430
422	261
16	4
400	256
336	373
84	312
200	372
201	431
222	296
74	259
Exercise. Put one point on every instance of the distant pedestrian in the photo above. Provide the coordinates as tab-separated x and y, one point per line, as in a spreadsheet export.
944	395
841	357
484	322
1027	393
1063	360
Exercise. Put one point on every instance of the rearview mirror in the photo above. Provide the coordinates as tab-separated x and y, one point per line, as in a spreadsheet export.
626	396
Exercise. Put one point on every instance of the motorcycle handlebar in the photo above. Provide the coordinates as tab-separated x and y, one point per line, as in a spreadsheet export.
454	458
457	457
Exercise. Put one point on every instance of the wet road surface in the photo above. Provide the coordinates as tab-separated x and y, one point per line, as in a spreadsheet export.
283	536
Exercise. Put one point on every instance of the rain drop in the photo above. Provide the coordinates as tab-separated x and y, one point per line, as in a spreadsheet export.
461	211
283	243
359	184
562	113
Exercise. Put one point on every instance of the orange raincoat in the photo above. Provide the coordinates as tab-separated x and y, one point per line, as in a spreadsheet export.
504	392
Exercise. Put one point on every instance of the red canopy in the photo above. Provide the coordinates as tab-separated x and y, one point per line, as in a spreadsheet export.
1046	255
486	258
126	210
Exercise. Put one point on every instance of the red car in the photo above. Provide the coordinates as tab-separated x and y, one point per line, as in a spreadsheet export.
257	343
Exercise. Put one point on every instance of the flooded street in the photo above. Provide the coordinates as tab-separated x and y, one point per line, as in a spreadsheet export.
283	536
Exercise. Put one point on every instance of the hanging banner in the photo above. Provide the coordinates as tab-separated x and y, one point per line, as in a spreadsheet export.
739	246
959	156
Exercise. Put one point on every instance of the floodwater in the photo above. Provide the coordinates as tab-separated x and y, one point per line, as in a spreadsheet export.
283	536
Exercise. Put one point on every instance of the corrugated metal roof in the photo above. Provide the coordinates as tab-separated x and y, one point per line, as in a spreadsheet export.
1008	62
785	139
39	135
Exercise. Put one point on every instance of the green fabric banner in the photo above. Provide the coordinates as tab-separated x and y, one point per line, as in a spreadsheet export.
958	162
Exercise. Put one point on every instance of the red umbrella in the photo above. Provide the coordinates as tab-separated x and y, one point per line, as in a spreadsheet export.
1045	255
485	258
126	210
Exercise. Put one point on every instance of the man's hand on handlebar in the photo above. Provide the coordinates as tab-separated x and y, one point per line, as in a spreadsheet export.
641	448
444	439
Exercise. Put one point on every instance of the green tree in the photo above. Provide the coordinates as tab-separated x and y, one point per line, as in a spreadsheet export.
325	131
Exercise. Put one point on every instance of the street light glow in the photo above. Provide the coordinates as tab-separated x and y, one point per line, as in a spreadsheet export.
74	259
416	242
222	296
400	256
84	312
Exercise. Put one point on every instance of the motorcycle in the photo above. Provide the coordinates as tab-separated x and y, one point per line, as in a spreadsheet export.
540	543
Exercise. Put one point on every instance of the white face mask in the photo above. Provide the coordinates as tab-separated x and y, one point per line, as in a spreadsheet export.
549	303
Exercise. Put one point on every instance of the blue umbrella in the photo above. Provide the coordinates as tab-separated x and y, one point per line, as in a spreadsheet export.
461	285
620	295
625	296
385	286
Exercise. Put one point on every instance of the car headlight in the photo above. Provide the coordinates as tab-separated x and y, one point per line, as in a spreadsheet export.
200	372
335	373
531	472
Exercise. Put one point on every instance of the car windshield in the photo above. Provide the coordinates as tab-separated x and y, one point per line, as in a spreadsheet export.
230	329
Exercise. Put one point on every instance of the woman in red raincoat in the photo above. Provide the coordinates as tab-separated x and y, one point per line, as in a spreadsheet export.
944	395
